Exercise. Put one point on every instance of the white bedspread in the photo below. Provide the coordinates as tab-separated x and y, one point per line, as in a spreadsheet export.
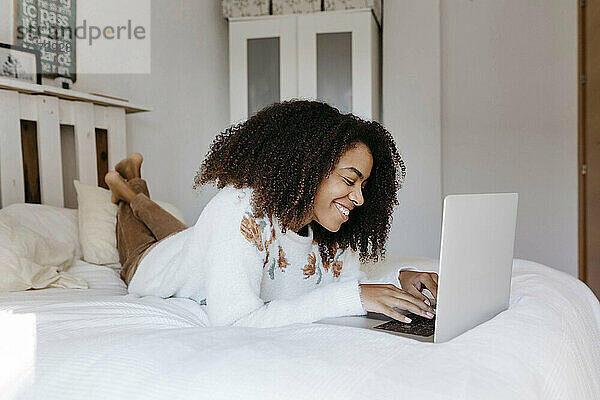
103	344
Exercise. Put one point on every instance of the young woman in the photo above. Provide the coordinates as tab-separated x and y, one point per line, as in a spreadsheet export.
306	192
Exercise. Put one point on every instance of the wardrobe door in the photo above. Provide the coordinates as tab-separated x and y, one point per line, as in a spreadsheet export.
262	63
339	60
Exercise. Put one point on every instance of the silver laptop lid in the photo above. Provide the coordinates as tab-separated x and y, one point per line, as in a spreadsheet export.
478	235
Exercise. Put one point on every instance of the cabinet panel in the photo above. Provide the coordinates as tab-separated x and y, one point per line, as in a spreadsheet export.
242	36
364	57
334	69
263	73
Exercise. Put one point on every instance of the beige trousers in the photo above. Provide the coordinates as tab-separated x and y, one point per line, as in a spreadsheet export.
140	225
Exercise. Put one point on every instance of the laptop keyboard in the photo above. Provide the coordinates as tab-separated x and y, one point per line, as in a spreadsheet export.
420	326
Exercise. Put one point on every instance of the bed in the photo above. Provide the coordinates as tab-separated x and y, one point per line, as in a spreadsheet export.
102	343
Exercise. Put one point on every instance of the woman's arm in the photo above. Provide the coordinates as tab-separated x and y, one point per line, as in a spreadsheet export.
412	280
383	295
233	292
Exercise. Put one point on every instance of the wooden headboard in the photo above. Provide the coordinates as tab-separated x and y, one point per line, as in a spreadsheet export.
50	136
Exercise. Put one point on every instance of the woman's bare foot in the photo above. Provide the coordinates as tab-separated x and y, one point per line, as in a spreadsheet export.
121	191
130	167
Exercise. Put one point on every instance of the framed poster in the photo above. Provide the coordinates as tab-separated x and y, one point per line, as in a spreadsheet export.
17	62
49	27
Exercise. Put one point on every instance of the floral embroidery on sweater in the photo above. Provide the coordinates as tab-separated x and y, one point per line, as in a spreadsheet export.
337	268
252	231
272	269
273	236
282	262
336	264
267	244
266	259
311	268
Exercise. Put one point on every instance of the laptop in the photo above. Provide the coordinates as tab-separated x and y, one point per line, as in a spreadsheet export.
476	255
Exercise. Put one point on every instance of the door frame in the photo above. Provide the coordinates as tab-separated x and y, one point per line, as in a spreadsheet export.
582	237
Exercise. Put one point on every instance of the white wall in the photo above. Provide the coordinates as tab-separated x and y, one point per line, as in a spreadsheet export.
481	95
411	111
188	91
7	21
508	115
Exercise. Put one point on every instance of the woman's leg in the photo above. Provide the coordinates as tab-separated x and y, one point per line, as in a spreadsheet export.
159	221
133	239
140	222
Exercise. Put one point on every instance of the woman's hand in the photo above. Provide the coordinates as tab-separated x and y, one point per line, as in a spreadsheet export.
414	282
382	299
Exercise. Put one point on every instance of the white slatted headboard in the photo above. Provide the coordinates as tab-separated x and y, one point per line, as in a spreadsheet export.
50	108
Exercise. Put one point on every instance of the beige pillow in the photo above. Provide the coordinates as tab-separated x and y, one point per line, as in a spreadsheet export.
97	223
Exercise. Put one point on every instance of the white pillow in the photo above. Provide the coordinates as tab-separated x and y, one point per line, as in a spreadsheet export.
51	222
31	260
97	223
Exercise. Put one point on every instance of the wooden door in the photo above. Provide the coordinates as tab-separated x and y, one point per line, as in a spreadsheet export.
589	145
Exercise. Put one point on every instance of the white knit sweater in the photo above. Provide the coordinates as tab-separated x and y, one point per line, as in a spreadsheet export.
246	272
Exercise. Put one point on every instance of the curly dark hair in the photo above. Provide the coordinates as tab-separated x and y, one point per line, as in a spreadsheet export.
286	150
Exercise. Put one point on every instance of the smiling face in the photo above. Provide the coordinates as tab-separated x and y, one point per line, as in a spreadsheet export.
341	191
